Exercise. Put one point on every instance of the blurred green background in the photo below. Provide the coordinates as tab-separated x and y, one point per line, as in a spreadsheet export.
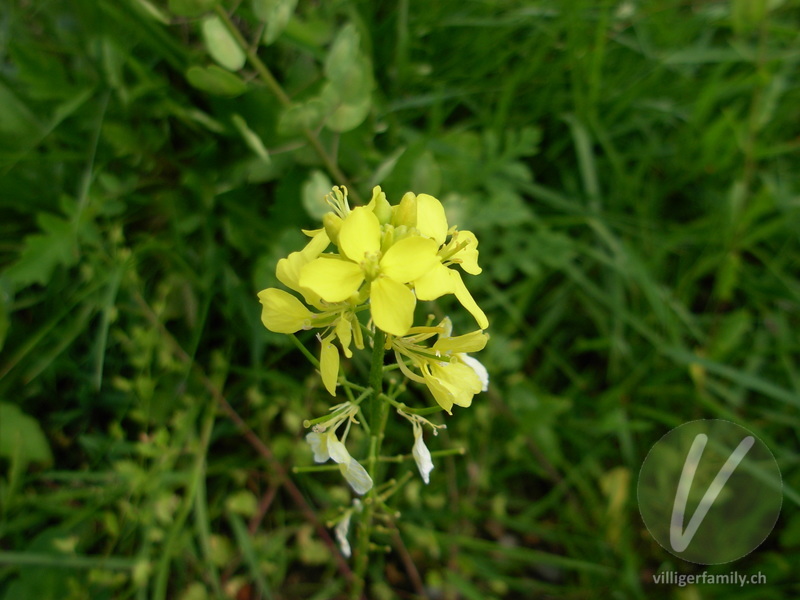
629	167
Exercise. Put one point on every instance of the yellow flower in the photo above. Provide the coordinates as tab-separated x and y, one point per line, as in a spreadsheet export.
337	278
452	377
451	382
283	313
462	249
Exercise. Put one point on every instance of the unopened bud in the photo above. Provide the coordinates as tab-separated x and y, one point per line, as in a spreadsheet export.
333	224
380	205
405	213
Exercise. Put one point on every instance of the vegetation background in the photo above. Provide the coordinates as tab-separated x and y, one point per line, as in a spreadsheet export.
631	171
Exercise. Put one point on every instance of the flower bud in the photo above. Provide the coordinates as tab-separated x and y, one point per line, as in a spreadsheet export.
405	213
380	205
332	223
422	455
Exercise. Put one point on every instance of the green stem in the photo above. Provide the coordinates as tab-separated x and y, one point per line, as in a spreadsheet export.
269	79
312	359
378	411
376	376
417	411
404	457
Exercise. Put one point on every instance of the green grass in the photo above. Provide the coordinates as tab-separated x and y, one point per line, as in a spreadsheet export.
630	169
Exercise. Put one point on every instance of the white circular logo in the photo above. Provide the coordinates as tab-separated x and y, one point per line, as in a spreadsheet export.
710	491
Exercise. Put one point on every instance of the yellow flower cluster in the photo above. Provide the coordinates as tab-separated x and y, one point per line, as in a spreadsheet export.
386	258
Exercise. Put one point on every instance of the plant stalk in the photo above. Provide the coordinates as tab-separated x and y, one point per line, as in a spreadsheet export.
269	79
378	411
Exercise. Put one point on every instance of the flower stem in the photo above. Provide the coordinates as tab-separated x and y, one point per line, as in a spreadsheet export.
312	359
378	411
376	376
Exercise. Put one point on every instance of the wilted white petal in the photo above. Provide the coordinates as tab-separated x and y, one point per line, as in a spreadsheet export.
319	446
337	450
356	476
341	534
422	455
479	369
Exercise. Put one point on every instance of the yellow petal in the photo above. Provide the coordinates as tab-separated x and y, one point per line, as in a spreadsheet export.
431	219
409	259
434	283
344	333
283	313
461	344
358	337
316	245
288	269
463	295
288	272
441	394
334	279
360	234
468	255
392	306
460	380
329	365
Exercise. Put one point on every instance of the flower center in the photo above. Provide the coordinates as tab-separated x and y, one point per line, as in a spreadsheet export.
371	265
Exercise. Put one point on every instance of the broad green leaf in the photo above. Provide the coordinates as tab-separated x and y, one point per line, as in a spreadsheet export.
215	80
21	435
251	138
191	8
344	115
17	122
343	52
348	70
221	45
349	116
275	14
314	189
45	251
307	115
